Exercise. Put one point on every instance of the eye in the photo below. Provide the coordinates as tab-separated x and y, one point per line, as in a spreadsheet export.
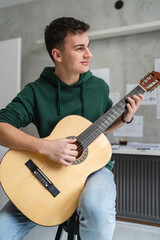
80	48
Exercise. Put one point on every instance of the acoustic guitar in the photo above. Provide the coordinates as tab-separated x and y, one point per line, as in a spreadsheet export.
44	190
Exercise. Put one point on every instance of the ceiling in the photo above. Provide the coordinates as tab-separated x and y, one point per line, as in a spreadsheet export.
9	3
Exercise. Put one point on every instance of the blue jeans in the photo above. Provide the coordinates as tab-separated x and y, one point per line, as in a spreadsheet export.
96	211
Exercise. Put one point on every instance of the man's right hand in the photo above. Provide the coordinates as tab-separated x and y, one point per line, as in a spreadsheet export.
63	151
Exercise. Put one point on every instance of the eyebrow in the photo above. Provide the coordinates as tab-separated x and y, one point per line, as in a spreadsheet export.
80	45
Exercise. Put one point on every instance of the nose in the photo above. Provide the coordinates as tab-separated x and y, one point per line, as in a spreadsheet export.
88	53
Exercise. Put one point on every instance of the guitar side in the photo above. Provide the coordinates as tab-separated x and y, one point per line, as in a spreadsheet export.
28	193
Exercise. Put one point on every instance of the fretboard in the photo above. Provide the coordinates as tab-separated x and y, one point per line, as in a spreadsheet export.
106	120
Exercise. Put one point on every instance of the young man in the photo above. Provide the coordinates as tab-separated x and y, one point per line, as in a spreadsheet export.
69	88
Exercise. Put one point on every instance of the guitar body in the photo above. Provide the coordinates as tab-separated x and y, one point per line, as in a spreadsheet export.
28	193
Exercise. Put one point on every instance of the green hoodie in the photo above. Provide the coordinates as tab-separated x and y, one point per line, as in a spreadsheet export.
47	100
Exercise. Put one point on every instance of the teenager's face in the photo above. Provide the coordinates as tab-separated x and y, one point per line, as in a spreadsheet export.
76	55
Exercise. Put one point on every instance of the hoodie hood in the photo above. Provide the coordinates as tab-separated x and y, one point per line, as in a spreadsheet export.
48	74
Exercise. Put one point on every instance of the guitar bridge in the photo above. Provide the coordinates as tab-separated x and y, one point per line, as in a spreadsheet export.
42	178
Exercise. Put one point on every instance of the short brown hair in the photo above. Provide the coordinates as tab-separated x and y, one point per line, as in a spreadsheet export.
57	30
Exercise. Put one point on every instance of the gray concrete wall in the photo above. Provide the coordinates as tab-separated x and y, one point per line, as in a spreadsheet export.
129	58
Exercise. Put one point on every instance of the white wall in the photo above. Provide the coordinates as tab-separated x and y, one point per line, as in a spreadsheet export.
10	78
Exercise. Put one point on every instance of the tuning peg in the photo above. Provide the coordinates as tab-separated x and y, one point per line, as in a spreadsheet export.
154	88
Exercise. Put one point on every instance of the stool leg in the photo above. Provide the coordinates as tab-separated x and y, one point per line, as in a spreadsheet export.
70	236
78	237
71	227
59	232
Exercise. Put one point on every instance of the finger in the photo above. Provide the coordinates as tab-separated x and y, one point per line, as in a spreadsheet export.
71	144
73	147
138	97
69	158
73	140
129	108
131	99
130	103
73	153
136	101
141	97
66	163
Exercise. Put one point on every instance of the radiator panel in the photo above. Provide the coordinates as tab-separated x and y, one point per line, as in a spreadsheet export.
137	179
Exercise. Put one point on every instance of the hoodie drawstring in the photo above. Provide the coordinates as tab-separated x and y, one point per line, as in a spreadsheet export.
83	98
59	99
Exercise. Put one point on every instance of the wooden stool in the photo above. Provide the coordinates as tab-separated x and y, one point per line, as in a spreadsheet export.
71	226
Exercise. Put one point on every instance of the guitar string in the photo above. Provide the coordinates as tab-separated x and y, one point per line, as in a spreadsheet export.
104	116
102	121
93	133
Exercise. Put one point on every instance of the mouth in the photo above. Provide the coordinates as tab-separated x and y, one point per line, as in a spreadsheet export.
86	63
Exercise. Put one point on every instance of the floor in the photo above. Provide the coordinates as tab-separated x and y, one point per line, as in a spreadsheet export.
123	231
132	231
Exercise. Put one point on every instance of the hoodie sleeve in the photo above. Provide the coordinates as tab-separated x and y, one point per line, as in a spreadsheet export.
20	112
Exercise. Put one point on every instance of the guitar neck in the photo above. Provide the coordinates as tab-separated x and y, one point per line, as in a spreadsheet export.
106	120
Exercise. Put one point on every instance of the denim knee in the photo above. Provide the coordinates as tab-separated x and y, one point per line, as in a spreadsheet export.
98	212
97	207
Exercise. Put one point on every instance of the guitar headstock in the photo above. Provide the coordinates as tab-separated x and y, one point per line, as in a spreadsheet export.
150	81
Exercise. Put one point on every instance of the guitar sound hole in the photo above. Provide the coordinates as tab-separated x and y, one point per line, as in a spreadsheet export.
82	153
79	149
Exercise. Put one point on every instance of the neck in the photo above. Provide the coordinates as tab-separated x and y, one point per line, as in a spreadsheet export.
66	77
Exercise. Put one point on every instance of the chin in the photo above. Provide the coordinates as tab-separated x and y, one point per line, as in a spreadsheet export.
84	70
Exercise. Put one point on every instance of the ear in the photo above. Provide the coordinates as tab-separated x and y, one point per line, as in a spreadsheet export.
56	55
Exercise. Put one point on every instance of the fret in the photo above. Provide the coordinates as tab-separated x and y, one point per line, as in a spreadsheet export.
113	112
87	136
97	130
122	102
136	91
108	122
119	109
99	126
111	116
109	119
88	132
102	123
105	121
